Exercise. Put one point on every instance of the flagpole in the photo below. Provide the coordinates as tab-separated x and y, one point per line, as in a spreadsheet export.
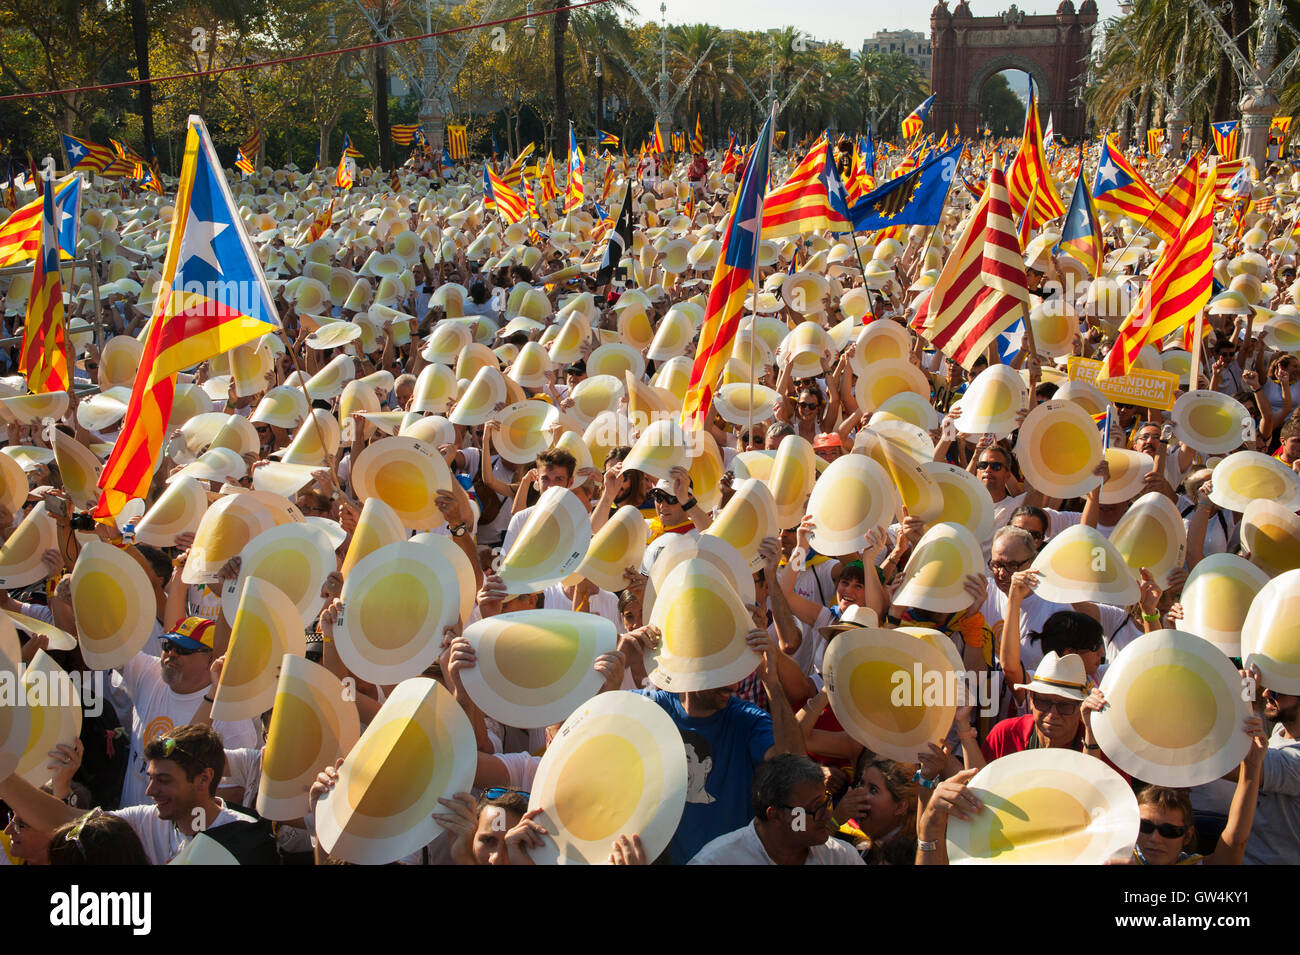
753	277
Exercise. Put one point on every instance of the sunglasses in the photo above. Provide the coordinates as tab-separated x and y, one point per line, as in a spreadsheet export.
74	834
1064	707
989	465
496	792
810	404
181	651
663	497
1166	829
1007	566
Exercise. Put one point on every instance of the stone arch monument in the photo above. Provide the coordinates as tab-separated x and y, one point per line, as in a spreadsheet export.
967	50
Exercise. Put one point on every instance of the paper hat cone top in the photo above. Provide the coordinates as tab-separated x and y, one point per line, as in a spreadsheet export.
753	464
1151	534
1270	637
634	327
535	667
396	602
113	604
20	554
644	403
266	626
1058	449
887	377
704	624
446	342
706	470
853	496
733	404
609	429
935	575
79	469
619	544
54	705
916	489
1046	806
572	442
1209	422
566	346
1271	535
993	402
226	527
1085	394
214	464
661	447
13	484
878	708
1055	325
250	364
1078	565
616	358
1246	476
480	400
672	337
1128	469
189	401
472	357
407	475
805	292
1216	598
747	519
15	721
281	407
1174	711
523	432
329	381
793	472
445	548
33	409
356	397
419	748
724	558
617	766
435	390
216	429
880	341
593	395
118	362
904	436
550	545
966	500
910	407
530	366
311	726
334	334
203	850
378	526
178	510
294	558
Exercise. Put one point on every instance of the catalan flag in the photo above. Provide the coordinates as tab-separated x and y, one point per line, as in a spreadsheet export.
129	155
697	141
812	198
324	219
729	160
1232	179
151	177
1029	169
731	284
657	143
213	297
608	139
1155	137
548	179
1120	190
83	154
981	291
1226	136
43	357
458	142
530	202
346	173
20	234
679	142
573	192
501	197
514	174
916	118
404	134
1180	286
1081	233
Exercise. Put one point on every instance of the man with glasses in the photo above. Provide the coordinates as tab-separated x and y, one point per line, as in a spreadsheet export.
1060	715
791	824
1013	551
1225	375
1275	835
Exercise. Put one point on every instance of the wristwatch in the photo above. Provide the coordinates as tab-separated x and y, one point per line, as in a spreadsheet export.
460	530
690	503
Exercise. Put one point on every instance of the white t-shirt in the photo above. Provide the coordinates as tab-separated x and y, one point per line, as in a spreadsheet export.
158	711
1034	611
602	603
160	838
743	847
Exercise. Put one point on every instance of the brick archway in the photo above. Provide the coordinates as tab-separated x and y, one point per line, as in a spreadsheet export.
967	50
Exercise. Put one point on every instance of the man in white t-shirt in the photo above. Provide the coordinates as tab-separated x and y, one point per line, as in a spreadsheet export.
791	824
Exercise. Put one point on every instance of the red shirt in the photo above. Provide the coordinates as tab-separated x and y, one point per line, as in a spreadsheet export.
1013	735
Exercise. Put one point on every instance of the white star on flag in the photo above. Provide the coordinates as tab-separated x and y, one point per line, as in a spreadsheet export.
197	242
76	149
1108	170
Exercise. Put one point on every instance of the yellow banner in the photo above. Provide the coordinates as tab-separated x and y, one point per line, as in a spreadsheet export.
1141	386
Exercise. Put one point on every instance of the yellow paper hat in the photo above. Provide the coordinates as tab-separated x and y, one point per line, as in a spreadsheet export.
407	475
906	469
113	604
215	464
901	437
672	337
747	519
435	390
935	575
226	527
593	395
1058	448
535	666
852	496
619	544
1270	636
250	365
396	601
566	346
732	403
203	850
33	409
178	510
15	721
634	326
378	526
753	464
356	397
607	430
266	626
281	407
294	558
1078	565
1085	394
119	361
1128	469
1216	598
419	748
724	558
793	472
885	378
329	381
993	402
618	765
806	343
79	469
1151	534
881	341
617	359
871	678
910	407
966	500
1209	422
523	432
333	334
661	447
312	725
54	705
21	553
551	544
703	623
479	402
306	446
13	484
706	470
1047	806
805	292
1271	535
444	547
1174	711
219	430
1246	476
446	342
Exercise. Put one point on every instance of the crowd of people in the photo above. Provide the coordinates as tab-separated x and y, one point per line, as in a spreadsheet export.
497	569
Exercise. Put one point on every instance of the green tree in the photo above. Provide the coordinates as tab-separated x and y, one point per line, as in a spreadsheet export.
1000	108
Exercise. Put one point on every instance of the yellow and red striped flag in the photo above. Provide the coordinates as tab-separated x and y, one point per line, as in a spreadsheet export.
514	175
247	153
916	118
1179	288
212	297
20	234
548	179
657	143
1029	168
981	291
319	224
1225	173
697	141
504	199
458	142
731	283
43	357
812	198
83	154
573	193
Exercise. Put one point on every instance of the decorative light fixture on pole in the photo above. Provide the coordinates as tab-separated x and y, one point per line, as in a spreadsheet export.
663	100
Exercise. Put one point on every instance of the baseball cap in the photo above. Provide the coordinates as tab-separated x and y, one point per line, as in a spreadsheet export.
192	633
829	439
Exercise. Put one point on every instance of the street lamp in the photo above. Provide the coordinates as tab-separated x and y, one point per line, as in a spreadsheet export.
332	38
530	27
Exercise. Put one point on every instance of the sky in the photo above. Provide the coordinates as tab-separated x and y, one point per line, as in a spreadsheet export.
846	22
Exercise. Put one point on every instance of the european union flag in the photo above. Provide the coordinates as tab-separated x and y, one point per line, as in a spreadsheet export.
914	199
